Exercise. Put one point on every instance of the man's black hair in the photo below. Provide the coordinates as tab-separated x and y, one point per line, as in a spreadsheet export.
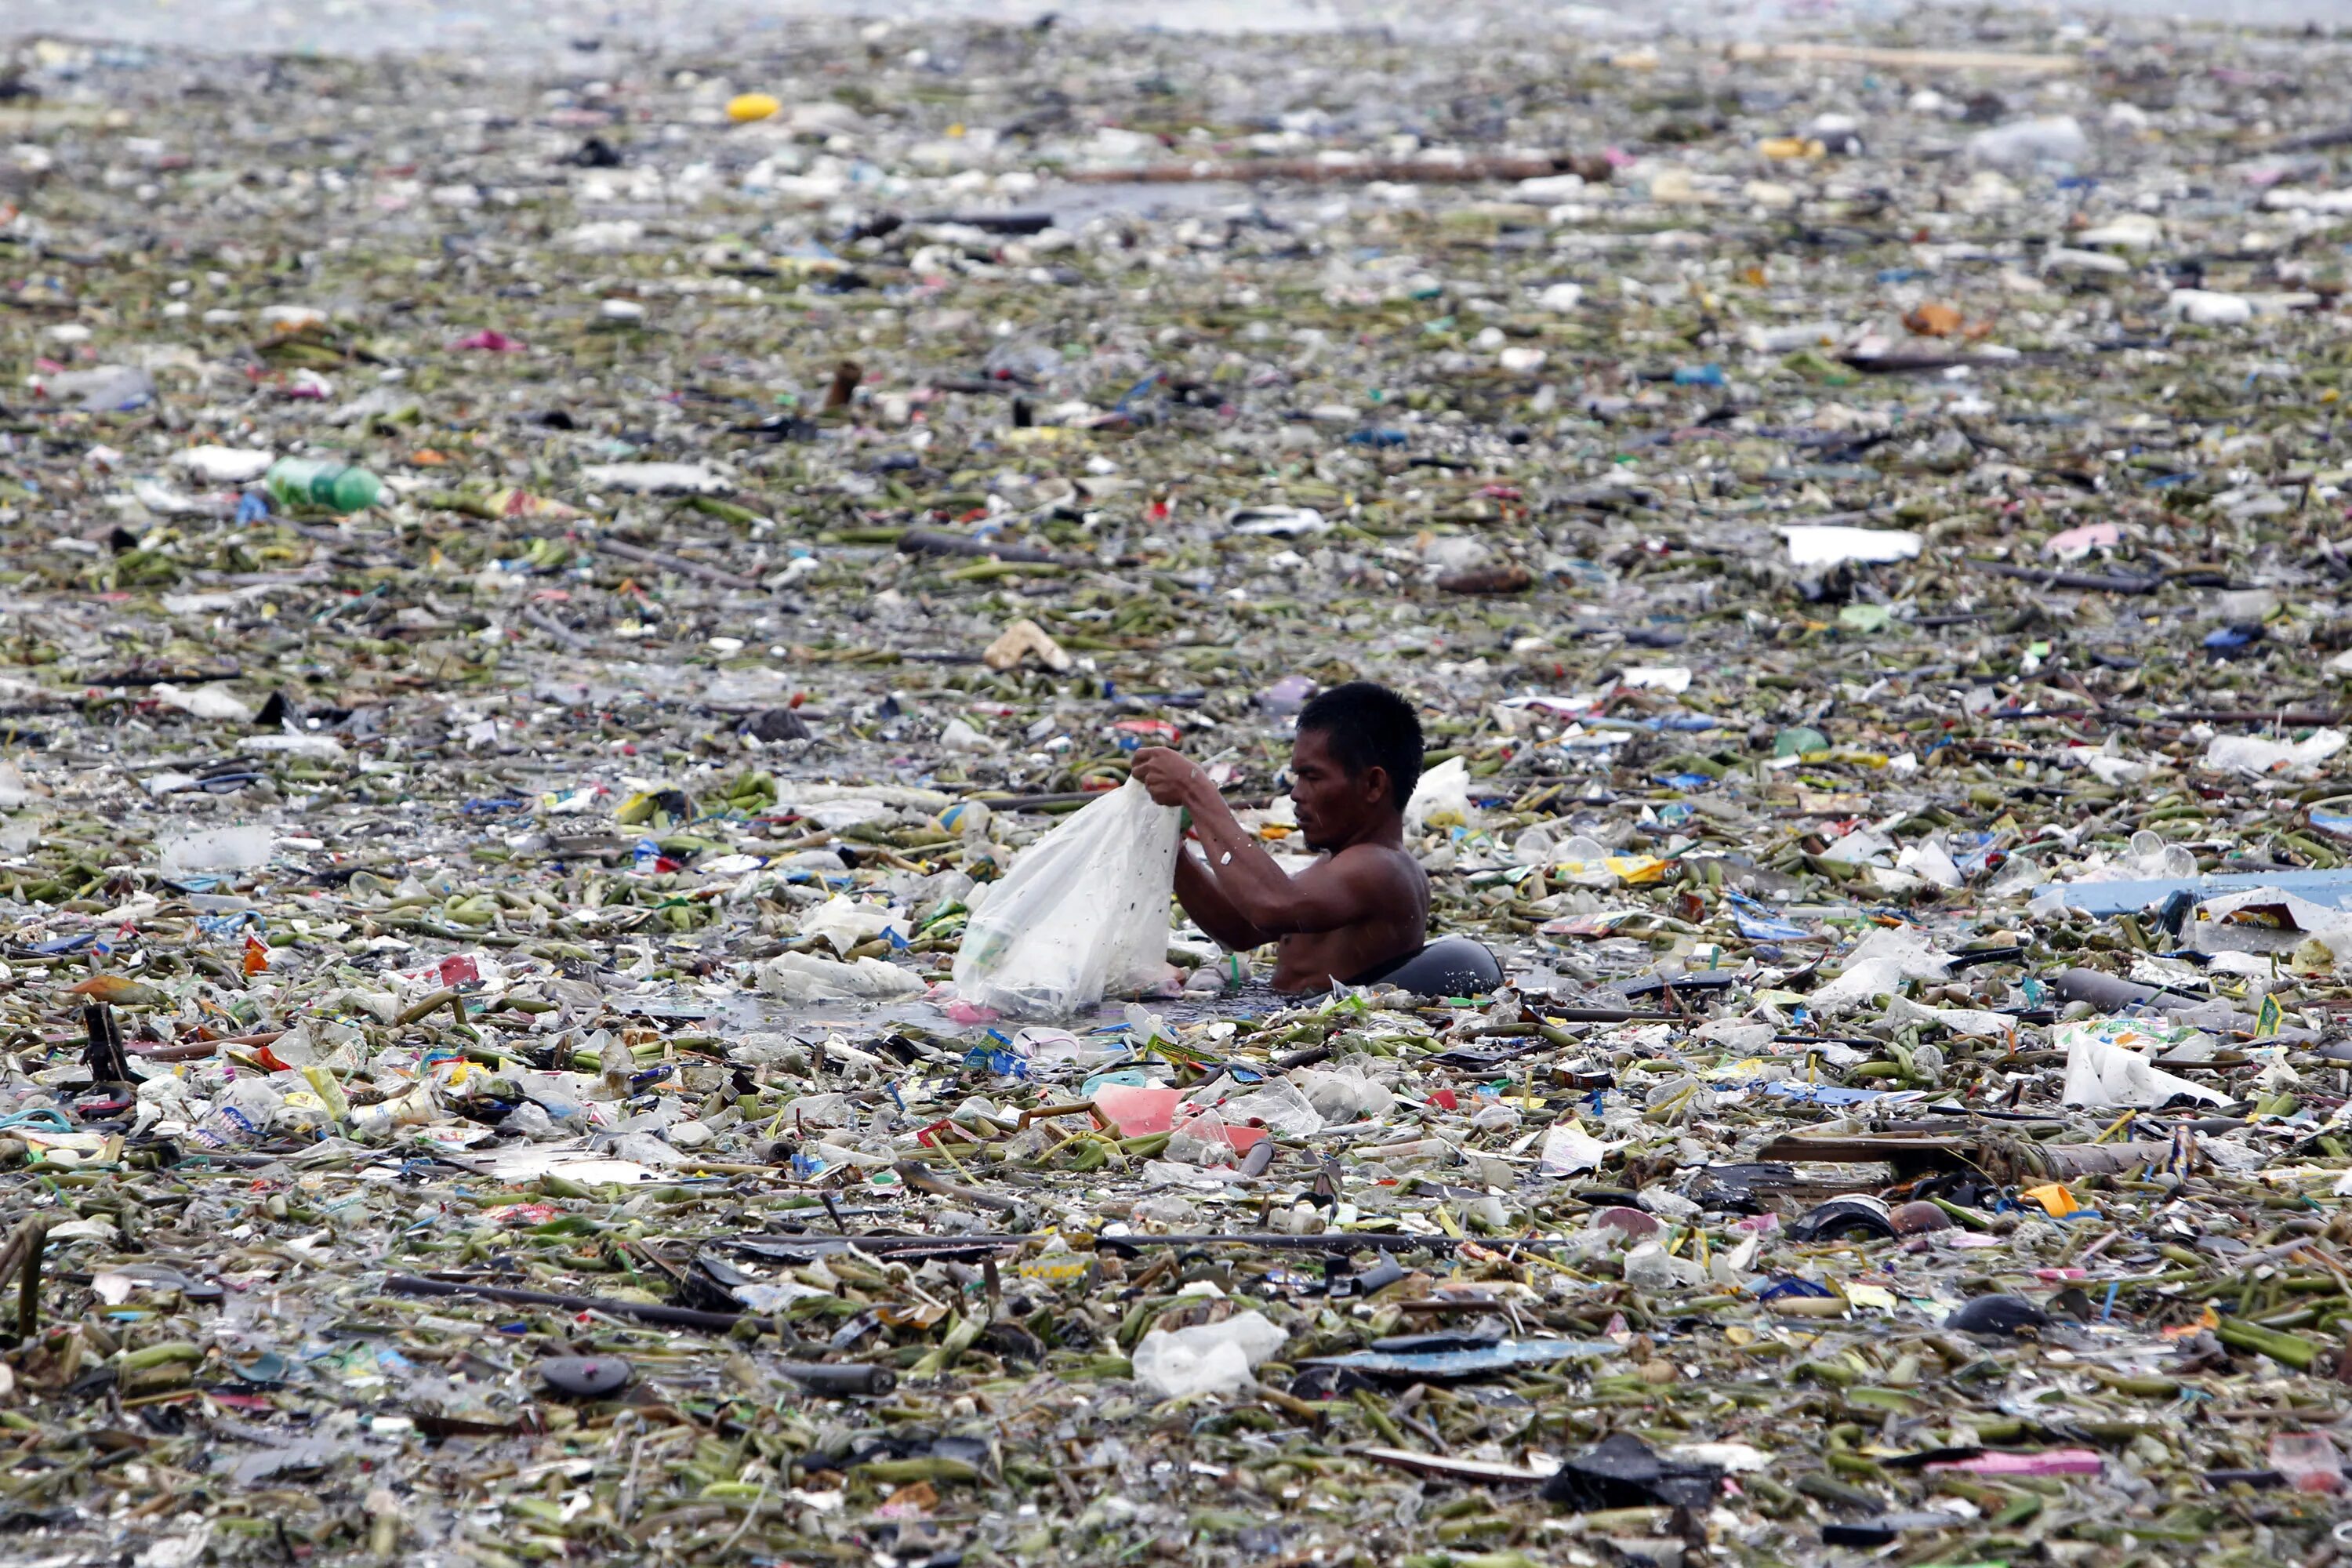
1369	726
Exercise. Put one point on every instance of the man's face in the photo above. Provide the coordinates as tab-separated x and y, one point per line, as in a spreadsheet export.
1332	805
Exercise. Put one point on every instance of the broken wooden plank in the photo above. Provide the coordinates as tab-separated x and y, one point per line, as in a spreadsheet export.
1912	1153
1480	1471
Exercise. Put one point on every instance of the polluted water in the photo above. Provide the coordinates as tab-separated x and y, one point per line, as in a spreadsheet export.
591	639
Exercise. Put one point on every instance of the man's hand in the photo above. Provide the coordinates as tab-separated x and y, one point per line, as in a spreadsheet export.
1172	778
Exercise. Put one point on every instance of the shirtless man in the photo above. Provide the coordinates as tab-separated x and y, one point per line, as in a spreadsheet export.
1361	907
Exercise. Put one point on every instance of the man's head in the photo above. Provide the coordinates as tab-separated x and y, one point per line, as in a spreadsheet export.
1355	762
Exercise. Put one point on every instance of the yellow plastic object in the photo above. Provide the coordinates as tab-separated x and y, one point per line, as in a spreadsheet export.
2055	1200
745	107
1633	870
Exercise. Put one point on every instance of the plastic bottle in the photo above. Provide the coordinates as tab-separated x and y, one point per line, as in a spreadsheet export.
241	1114
321	482
414	1109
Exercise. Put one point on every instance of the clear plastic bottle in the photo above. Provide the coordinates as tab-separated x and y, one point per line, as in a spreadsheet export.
241	1114
321	482
414	1109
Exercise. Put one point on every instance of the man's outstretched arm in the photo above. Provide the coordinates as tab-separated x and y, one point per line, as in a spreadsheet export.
1323	898
1214	913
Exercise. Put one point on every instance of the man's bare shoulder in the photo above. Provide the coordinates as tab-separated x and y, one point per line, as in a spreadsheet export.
1380	864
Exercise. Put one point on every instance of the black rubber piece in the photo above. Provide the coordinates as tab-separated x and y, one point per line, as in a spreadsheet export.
586	1376
1450	966
1843	1217
1996	1315
1622	1472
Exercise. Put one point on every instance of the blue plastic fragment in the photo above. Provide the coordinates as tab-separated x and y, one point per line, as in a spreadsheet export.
1759	924
231	923
1833	1093
2229	639
1503	1355
2333	889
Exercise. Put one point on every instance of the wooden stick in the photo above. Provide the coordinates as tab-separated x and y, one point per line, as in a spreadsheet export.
667	562
24	1255
1314	172
1912	60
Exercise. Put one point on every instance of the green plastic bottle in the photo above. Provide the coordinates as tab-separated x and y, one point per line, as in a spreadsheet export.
319	482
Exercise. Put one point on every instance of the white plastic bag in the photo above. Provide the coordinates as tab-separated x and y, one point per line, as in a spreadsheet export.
217	849
2256	757
2103	1075
1441	799
1208	1358
1568	1149
1879	963
2051	139
1344	1094
1083	913
844	922
213	701
1828	544
1650	1269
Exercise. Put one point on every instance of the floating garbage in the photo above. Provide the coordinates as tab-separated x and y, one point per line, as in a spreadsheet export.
592	972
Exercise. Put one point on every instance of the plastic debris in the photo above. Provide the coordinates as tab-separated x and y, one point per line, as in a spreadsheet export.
585	978
1207	1358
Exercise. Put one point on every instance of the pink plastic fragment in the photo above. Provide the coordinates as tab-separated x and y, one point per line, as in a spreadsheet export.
2049	1462
1137	1112
2076	542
